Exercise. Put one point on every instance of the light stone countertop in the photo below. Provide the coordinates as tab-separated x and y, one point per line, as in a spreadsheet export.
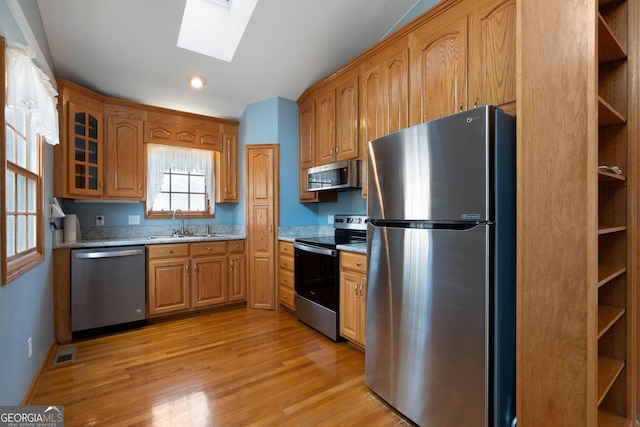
133	241
360	248
96	237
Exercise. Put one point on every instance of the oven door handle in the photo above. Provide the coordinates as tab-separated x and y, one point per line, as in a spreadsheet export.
316	250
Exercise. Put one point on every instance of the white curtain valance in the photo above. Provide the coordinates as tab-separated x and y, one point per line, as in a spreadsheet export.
161	158
29	87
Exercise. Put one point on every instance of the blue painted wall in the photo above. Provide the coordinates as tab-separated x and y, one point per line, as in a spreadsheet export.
26	303
275	121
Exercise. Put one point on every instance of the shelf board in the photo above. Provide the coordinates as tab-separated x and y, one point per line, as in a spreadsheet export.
607	273
607	115
611	419
603	3
608	315
609	48
604	176
608	229
608	371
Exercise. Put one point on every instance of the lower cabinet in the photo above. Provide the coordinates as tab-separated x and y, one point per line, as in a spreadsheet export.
353	296
285	275
209	284
237	271
186	276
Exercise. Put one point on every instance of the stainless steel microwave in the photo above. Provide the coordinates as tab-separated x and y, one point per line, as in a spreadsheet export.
338	176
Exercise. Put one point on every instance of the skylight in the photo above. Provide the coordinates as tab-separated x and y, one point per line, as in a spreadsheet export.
215	27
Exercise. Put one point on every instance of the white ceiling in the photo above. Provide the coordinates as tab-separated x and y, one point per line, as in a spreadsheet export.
127	49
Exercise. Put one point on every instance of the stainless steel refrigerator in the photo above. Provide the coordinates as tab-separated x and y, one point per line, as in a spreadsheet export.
440	328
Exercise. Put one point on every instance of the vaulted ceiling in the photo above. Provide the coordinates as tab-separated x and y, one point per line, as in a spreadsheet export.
127	49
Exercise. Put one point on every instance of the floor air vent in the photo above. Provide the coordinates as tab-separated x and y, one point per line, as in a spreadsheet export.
65	355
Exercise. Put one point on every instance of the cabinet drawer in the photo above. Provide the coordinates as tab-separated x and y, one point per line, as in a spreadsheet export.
353	261
286	248
286	278
286	262
286	297
236	246
170	250
209	248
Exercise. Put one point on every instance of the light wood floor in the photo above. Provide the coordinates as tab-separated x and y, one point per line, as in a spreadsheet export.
237	367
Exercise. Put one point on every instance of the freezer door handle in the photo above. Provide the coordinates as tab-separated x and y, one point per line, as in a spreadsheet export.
428	225
107	254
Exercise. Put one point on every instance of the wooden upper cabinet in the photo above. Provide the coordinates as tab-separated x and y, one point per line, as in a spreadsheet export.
439	70
492	67
325	125
85	151
163	128
385	91
307	132
125	171
78	161
182	130
347	119
158	132
385	96
209	137
337	119
227	167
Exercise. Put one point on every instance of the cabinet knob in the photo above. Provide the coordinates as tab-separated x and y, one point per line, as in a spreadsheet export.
209	249
358	263
170	251
475	103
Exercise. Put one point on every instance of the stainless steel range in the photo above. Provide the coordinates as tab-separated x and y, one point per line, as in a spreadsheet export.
317	273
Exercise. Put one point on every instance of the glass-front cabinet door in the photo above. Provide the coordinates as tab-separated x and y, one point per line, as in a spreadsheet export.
86	152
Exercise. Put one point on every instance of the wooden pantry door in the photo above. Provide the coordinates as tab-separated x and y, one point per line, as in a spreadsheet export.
263	171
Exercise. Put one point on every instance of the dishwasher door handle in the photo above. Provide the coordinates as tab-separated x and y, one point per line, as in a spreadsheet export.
107	254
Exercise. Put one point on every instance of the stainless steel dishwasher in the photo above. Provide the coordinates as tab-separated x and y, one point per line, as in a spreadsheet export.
107	286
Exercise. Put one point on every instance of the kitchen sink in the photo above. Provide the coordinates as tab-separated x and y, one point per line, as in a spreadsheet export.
178	236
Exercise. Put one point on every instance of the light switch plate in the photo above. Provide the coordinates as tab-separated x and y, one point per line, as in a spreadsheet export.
134	219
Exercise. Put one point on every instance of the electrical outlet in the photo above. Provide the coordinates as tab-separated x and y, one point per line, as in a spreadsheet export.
100	220
29	348
134	219
330	219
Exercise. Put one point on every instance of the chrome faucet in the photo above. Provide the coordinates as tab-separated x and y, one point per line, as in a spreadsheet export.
174	217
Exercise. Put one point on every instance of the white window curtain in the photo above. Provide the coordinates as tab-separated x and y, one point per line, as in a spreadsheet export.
161	158
29	87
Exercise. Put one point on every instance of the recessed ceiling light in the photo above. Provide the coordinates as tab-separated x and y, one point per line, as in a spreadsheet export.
196	81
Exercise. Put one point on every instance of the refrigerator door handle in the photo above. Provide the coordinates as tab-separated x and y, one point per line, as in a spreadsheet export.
428	225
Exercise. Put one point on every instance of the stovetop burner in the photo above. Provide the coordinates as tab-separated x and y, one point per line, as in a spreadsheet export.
331	241
349	229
